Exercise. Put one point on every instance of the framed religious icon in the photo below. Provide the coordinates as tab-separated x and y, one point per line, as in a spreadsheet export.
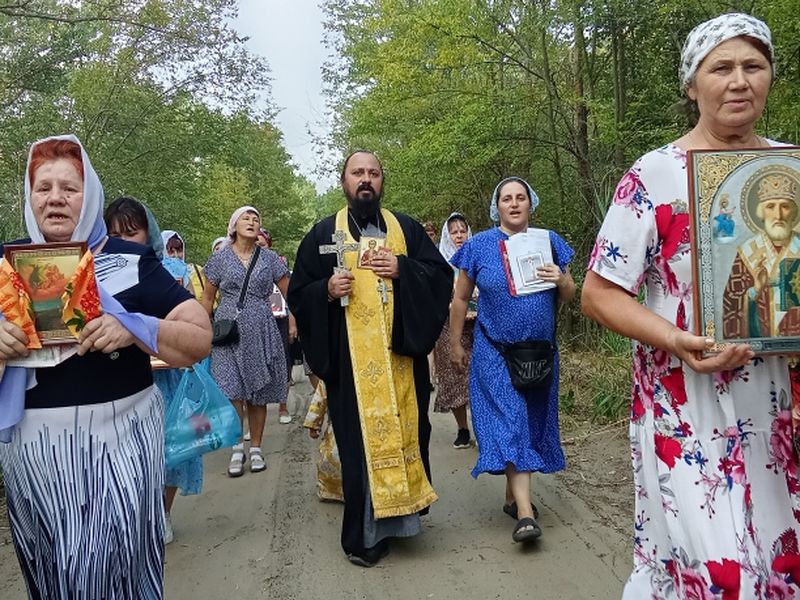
528	265
45	270
370	247
745	235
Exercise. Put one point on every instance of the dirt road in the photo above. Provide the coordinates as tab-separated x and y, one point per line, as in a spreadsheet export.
267	535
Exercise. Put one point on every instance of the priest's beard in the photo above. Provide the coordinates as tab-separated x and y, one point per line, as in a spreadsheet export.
366	202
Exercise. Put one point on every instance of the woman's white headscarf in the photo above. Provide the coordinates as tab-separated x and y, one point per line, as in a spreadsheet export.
494	213
447	247
710	34
168	234
218	241
235	217
91	227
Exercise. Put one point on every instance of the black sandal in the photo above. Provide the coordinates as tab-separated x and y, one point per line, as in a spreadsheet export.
511	510
527	530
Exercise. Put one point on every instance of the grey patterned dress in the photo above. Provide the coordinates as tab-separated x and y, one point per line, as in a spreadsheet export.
254	369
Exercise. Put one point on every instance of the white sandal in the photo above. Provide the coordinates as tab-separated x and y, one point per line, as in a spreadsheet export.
257	463
236	466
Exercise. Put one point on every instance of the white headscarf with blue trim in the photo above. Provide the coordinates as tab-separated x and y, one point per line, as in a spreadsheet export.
91	227
494	213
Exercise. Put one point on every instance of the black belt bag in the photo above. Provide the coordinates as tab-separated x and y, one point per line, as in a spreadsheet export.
530	363
225	332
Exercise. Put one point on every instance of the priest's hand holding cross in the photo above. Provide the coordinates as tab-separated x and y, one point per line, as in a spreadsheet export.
340	284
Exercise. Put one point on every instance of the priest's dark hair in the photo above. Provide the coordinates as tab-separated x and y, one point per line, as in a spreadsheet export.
359	151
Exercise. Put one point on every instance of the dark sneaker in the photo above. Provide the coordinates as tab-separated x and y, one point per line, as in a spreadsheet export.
462	440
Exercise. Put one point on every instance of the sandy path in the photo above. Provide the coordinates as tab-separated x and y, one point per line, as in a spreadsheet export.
267	536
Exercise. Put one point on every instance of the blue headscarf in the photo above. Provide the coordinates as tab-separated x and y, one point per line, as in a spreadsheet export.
494	214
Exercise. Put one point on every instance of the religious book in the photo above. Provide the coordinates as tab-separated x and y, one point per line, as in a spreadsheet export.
524	253
157	363
789	283
46	356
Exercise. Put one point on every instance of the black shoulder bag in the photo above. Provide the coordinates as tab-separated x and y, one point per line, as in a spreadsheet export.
226	331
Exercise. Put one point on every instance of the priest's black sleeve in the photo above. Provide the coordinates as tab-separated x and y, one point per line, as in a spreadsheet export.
320	323
421	294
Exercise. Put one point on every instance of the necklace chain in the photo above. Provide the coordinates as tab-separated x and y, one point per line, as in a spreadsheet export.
369	222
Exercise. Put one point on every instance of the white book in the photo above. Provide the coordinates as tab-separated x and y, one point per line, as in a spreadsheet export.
47	356
525	253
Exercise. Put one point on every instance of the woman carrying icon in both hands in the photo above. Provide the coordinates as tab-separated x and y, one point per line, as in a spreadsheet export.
517	432
715	475
252	370
84	469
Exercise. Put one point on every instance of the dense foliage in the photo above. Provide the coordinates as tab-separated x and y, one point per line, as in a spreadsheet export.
163	94
456	94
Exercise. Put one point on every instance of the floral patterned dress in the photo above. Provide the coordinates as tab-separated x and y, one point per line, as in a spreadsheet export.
254	368
715	477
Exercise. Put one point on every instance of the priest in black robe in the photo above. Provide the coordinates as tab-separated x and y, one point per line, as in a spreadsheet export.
347	318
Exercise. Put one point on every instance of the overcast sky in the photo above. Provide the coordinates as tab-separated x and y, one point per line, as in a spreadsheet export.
288	33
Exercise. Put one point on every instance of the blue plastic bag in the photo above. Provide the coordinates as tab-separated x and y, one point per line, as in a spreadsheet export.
200	419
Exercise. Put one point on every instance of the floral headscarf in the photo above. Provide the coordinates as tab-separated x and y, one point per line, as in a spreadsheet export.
494	214
710	34
446	246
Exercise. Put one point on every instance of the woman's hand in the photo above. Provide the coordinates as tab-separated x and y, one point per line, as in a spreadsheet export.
13	341
106	334
313	433
689	348
458	357
551	273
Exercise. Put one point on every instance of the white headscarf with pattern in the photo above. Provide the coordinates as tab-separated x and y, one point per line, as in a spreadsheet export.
710	34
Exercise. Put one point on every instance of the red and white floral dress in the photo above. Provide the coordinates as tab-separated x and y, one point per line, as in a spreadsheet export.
717	512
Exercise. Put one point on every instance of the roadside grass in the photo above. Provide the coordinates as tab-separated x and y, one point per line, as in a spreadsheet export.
596	383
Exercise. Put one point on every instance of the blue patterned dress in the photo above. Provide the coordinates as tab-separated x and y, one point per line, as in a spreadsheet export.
254	368
510	426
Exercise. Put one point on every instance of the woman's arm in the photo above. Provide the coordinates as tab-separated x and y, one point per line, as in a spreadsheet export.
566	286
283	286
614	308
184	336
209	295
458	312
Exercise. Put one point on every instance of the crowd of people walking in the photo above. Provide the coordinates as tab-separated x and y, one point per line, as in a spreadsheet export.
378	307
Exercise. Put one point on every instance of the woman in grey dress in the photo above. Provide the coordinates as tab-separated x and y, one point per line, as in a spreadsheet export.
252	370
